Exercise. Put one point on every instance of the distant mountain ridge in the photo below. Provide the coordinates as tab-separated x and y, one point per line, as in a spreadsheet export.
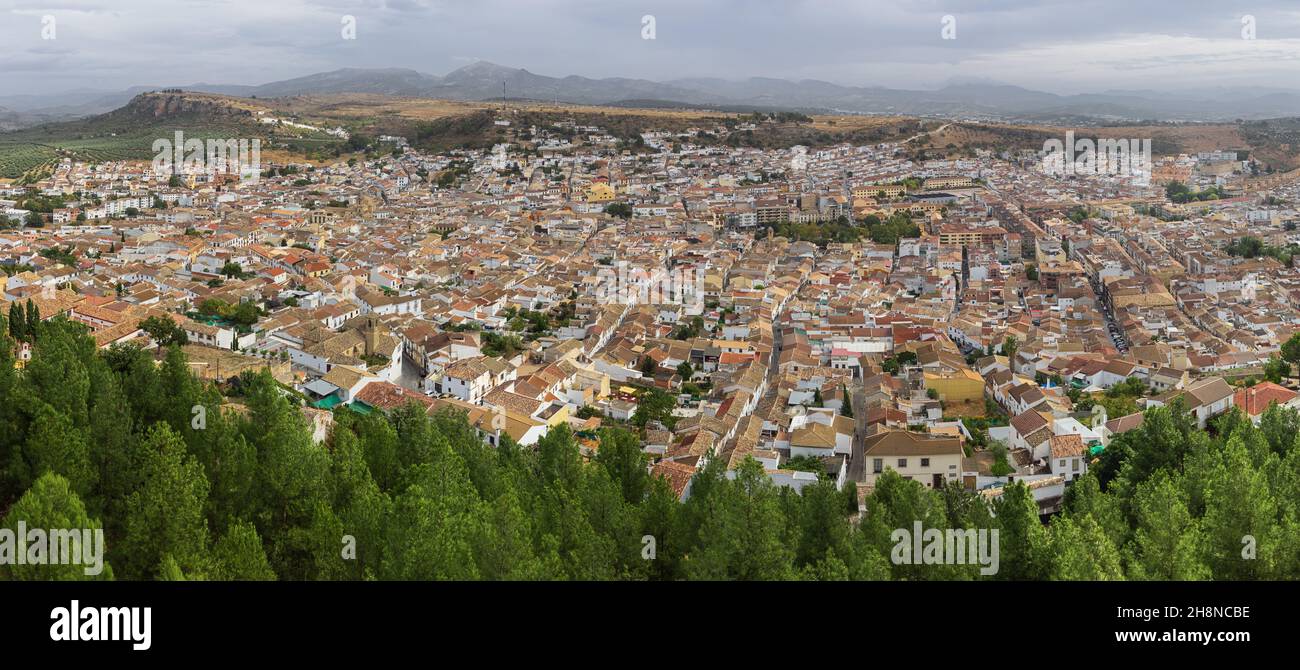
965	98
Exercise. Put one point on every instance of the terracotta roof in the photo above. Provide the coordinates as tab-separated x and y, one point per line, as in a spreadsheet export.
678	475
1039	436
1028	421
1066	446
905	443
1125	423
388	396
1254	400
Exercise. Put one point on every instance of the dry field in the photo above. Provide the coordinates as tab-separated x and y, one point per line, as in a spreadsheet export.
344	107
1165	139
350	106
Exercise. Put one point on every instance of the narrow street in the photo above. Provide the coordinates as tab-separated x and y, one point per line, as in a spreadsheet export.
857	469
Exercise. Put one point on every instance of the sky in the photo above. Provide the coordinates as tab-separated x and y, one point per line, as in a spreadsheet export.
1061	46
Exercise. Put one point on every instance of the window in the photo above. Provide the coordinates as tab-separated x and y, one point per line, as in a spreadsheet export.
1076	465
877	465
1062	462
925	462
902	462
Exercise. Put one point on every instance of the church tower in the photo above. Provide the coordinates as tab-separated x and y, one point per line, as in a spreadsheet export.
371	334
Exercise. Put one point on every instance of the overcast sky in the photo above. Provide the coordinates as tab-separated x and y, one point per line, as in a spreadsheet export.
1061	46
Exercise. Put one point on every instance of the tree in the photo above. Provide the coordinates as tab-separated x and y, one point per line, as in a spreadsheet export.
898	504
33	321
232	269
648	366
1025	544
290	492
621	210
1240	512
238	555
17	322
1009	347
165	516
1167	541
1082	551
821	527
685	371
1001	466
51	504
1276	369
846	409
621	456
164	331
56	445
743	539
1291	350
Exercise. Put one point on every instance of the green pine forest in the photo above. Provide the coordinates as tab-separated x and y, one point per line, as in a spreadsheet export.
106	438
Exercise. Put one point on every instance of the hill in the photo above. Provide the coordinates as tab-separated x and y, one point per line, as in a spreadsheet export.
128	133
968	100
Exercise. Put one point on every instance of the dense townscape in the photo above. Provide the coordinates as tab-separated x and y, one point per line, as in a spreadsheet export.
589	355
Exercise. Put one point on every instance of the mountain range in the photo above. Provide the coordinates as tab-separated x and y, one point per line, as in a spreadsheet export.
487	81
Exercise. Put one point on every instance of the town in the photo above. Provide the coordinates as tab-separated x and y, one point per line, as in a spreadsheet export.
854	309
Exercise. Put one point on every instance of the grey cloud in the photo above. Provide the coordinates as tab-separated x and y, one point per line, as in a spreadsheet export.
1119	43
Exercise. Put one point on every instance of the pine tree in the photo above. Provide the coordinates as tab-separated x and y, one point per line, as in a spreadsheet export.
54	445
1240	522
238	555
1081	550
1167	541
165	517
1025	544
52	504
742	538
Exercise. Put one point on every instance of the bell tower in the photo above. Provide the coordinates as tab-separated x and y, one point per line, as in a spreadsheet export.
371	334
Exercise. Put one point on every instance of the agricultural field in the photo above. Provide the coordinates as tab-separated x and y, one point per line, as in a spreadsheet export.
129	133
958	139
25	152
19	159
21	156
